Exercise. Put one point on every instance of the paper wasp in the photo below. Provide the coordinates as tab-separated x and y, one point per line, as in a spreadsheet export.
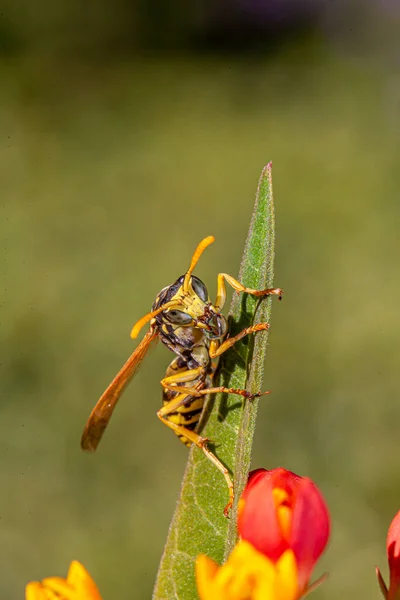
194	329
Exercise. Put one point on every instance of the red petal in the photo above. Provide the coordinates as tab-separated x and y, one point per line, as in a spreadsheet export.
310	527
393	552
257	521
254	477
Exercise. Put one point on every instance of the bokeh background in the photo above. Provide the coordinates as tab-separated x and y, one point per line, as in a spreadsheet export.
129	131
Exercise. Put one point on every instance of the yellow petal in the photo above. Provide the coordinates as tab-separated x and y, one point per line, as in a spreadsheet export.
36	591
247	575
61	587
80	579
283	510
280	496
284	515
286	582
206	570
78	586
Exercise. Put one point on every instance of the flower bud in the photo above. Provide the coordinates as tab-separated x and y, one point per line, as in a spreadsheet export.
282	511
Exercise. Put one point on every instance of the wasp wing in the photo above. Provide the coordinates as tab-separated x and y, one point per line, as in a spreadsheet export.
101	414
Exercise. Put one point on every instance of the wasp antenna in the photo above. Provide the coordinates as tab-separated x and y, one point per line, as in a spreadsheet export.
195	259
139	324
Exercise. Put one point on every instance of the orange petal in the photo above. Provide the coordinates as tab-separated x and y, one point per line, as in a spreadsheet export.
78	586
36	591
248	575
206	569
61	587
79	578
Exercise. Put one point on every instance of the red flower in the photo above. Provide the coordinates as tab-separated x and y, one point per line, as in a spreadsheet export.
281	511
393	554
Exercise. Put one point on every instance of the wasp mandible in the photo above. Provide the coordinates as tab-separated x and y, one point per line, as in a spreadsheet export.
193	328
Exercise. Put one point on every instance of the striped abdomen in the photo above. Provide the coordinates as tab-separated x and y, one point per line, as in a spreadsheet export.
187	415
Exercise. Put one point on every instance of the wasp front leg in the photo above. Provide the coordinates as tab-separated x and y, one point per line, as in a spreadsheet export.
216	349
239	287
166	414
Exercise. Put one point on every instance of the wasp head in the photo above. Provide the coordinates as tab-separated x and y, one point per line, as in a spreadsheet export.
185	304
190	306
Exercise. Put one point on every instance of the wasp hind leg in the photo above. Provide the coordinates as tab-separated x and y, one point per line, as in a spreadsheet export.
171	410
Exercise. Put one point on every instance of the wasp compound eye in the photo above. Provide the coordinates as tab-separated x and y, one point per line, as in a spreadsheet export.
200	288
178	317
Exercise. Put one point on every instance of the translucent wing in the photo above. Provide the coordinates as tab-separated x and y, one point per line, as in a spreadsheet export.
101	414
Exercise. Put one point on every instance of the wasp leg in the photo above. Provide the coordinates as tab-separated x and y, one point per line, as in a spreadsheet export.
172	383
182	377
239	287
201	442
214	390
216	350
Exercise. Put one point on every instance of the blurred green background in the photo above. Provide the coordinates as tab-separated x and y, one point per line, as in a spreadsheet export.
129	131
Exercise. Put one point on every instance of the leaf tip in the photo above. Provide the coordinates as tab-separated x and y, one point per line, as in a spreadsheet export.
266	170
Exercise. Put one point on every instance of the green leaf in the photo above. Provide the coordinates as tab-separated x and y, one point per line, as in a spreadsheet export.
198	525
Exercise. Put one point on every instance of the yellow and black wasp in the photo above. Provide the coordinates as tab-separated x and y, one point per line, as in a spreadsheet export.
186	321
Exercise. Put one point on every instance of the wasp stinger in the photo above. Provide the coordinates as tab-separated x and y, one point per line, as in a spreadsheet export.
194	329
